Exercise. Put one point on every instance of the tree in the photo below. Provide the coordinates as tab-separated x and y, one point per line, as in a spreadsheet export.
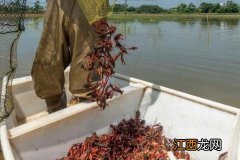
191	8
182	8
119	8
222	10
231	7
152	9
37	7
131	9
12	7
216	8
206	7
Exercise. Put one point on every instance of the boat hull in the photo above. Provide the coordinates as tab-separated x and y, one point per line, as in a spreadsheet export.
33	134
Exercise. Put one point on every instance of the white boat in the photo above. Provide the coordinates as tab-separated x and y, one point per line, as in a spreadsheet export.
33	134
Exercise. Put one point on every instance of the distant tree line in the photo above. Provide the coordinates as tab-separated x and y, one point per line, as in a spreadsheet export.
36	8
15	6
228	7
153	9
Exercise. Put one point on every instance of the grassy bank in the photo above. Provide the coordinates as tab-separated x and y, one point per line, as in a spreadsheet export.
162	16
34	15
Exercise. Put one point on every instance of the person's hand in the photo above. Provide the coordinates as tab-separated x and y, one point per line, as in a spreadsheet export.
99	22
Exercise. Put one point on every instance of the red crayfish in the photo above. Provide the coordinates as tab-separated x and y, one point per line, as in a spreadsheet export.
102	60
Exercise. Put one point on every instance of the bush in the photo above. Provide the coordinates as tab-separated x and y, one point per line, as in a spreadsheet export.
231	7
131	9
152	9
119	8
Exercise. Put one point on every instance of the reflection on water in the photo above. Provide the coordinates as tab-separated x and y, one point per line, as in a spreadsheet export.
198	56
27	46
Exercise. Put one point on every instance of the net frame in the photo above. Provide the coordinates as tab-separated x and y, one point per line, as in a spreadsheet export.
12	14
95	10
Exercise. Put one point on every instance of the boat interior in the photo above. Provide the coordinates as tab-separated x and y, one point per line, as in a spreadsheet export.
33	132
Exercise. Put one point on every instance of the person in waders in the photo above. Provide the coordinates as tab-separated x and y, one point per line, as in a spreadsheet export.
68	36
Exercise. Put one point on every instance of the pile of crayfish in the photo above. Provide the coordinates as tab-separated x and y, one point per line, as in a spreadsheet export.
102	60
129	140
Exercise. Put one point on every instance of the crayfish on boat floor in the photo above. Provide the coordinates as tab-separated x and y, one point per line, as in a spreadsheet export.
129	140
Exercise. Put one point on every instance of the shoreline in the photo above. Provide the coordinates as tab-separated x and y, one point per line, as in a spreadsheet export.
34	15
158	16
145	16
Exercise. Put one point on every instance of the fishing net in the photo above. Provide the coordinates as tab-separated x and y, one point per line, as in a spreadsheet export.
96	9
11	26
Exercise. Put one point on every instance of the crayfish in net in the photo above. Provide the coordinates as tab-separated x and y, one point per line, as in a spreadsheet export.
102	59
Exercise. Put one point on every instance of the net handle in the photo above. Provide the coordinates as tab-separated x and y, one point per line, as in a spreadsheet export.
4	91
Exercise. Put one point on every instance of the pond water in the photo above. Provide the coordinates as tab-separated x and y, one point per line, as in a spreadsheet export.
196	56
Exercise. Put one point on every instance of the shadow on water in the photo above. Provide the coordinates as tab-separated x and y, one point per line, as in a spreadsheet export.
149	21
230	23
186	22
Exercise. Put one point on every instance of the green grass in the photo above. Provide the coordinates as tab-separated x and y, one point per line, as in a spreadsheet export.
163	16
132	16
33	15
